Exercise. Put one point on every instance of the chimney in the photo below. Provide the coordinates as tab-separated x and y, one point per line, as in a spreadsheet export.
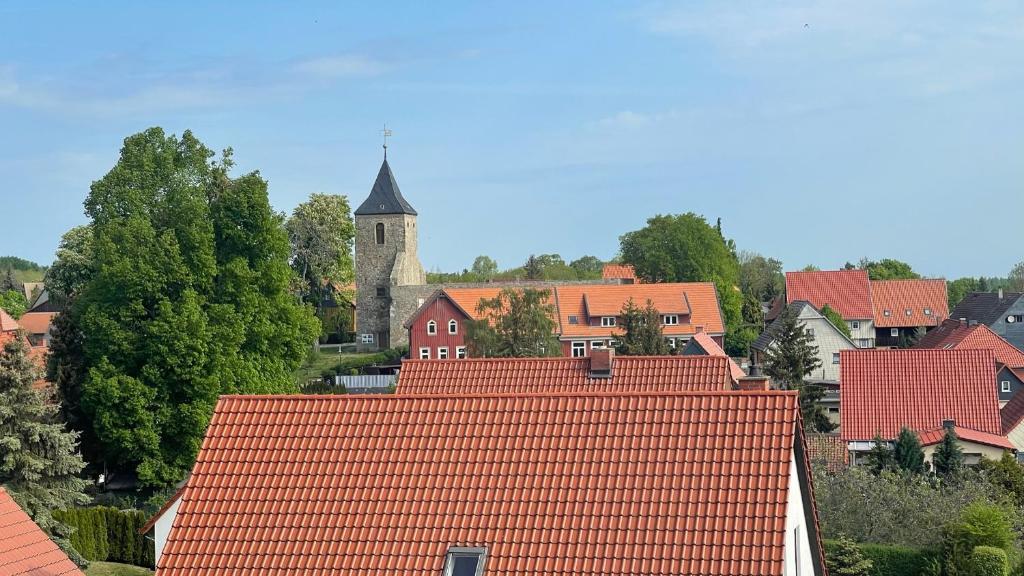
1000	293
948	424
601	362
753	383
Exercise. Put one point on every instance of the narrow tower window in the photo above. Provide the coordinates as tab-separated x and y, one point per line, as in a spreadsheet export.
380	232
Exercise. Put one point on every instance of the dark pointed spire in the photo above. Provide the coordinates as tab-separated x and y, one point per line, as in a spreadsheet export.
385	197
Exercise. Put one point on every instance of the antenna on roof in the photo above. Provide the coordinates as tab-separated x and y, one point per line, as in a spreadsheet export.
386	134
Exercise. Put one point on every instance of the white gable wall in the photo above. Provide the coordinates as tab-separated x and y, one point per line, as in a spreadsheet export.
829	341
797	558
162	529
1016	436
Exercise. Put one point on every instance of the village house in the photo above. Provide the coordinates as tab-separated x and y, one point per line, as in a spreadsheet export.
37	327
848	292
587	316
701	344
623	272
925	391
25	548
712	483
829	340
1002	312
959	335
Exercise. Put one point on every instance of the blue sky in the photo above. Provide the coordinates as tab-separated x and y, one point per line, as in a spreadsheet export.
819	132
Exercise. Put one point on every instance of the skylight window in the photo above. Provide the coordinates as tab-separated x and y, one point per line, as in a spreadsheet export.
465	561
887	313
574	319
909	312
927	311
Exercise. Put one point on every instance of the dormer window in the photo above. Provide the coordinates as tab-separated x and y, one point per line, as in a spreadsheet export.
465	561
607	321
380	232
927	311
453	327
431	328
670	320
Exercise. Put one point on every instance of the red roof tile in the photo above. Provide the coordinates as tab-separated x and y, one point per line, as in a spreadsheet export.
953	334
618	272
916	296
667	483
36	322
584	301
713	349
527	375
934	436
7	322
884	390
845	291
829	450
24	548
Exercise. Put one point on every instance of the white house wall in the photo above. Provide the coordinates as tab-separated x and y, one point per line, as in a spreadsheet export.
1016	437
864	332
162	529
829	341
797	558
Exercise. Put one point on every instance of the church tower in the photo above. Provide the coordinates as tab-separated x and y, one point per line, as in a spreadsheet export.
386	243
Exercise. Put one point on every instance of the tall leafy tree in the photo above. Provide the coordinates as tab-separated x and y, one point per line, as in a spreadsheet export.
761	277
641	333
187	298
948	457
907	452
485	267
836	319
39	459
515	324
72	269
957	289
790	359
13	302
685	248
1016	277
533	268
880	458
887	269
587	267
321	233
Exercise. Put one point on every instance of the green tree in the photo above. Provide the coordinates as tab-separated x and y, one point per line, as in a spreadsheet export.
888	269
321	232
957	289
39	460
761	278
515	324
13	302
836	319
485	267
641	333
988	561
980	524
72	268
533	268
948	458
587	267
1006	474
846	559
187	298
789	359
1016	277
880	458
685	248
907	452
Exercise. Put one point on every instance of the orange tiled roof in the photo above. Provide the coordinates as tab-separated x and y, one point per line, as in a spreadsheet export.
593	300
845	291
618	272
935	435
24	548
713	349
527	375
884	390
36	322
899	296
828	449
954	334
666	483
7	322
469	298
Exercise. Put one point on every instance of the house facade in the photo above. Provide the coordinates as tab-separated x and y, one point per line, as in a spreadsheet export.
829	340
905	310
848	292
1001	311
961	335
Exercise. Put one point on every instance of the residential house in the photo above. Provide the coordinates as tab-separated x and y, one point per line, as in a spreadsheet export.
37	327
926	391
622	272
703	345
829	340
904	310
9	327
587	316
848	292
25	549
1001	311
160	523
601	372
960	335
711	483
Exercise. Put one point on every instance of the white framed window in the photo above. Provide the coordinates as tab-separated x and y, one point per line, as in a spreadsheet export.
927	311
670	319
574	319
835	357
607	321
596	344
419	302
431	328
460	352
1005	386
855	325
366	338
424	353
453	327
579	349
671	343
465	561
894	332
442	352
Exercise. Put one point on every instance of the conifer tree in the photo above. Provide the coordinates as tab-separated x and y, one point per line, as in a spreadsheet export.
844	558
791	357
641	331
39	459
880	457
948	458
907	453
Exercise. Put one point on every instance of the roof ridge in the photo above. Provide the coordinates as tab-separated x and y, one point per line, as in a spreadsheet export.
588	394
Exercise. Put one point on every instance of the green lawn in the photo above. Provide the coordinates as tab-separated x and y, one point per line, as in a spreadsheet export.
112	569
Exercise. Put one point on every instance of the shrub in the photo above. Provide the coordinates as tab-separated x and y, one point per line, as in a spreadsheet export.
102	534
844	558
988	561
980	525
897	560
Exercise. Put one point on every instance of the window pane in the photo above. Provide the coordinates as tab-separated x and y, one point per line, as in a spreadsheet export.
465	566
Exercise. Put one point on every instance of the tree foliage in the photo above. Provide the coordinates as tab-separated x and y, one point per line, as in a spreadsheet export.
844	558
790	359
186	299
907	453
948	457
587	267
761	277
72	268
641	333
39	459
485	267
320	231
886	269
515	324
13	302
880	458
836	319
1016	277
1006	474
979	524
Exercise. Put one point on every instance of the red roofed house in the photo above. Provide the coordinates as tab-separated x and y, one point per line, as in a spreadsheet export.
710	483
587	316
924	390
848	292
24	548
905	309
37	326
703	345
623	272
959	335
1011	416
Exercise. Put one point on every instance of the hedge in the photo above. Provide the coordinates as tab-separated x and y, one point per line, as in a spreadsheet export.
894	560
988	561
107	534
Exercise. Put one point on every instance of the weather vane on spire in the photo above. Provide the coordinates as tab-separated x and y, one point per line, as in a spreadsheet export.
386	134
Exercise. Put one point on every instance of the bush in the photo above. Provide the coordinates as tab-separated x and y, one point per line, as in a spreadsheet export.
980	525
844	558
104	534
988	561
897	560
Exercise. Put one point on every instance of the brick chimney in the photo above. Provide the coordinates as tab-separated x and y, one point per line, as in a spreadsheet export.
755	381
601	360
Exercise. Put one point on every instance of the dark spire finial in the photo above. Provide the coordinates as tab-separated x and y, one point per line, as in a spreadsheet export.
385	133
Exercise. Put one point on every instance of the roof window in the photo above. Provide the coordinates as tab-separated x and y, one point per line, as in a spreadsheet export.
909	312
465	561
607	321
574	319
927	311
886	312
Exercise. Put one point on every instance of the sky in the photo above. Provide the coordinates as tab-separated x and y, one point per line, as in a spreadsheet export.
819	132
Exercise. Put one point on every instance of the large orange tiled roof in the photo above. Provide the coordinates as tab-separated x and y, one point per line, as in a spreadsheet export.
713	349
884	390
829	450
24	548
665	483
36	322
845	291
594	300
954	334
915	296
526	375
618	272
